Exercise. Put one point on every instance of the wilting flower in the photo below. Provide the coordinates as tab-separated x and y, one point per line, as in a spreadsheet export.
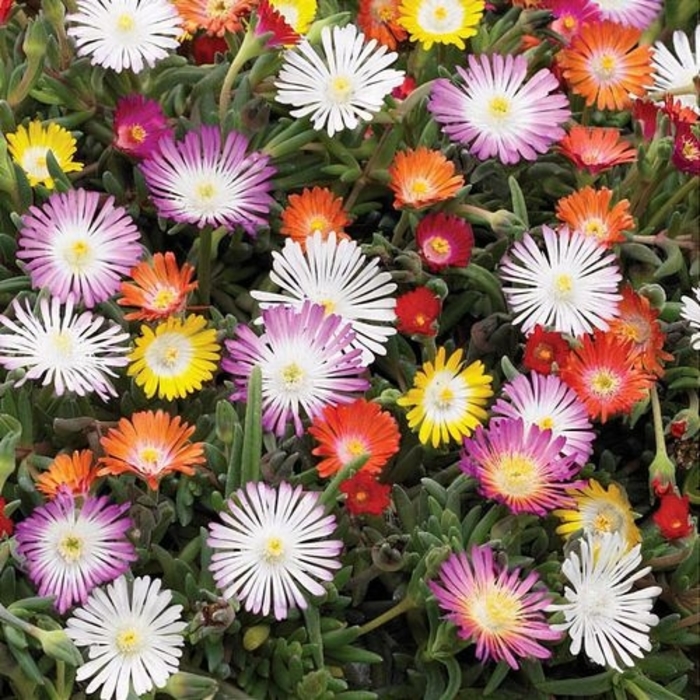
604	616
314	210
444	241
273	548
497	112
690	311
441	21
596	148
364	495
679	71
73	472
379	19
544	349
498	609
673	516
341	88
215	18
133	635
139	123
629	13
417	312
69	548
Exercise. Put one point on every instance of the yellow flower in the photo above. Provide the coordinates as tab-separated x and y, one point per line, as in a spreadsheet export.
298	14
441	21
176	359
448	401
29	149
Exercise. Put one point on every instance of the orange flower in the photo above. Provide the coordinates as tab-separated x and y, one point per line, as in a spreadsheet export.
588	211
73	472
312	211
215	18
378	19
347	431
602	64
150	445
422	177
160	288
596	148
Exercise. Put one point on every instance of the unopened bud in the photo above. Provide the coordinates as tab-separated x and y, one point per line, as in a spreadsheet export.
189	686
254	637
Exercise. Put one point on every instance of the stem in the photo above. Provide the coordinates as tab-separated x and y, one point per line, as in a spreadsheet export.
250	47
366	172
400	608
659	437
693	401
329	495
397	238
678	196
204	266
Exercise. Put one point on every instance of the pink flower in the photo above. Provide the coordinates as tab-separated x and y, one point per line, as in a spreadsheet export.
139	123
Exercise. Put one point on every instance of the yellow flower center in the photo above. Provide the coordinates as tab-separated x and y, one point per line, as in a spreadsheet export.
496	610
563	286
420	187
420	320
329	305
170	356
163	298
273	550
341	89
595	227
499	107
149	454
70	548
569	22
440	245
125	22
317	223
77	256
445	397
360	496
605	67
517	475
292	376
690	151
137	133
635	329
206	191
605	383
128	641
440	13
351	448
546	423
62	344
216	8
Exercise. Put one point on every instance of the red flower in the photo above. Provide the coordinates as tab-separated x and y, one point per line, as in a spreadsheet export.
417	312
365	495
444	241
6	525
405	89
543	348
673	516
686	149
205	47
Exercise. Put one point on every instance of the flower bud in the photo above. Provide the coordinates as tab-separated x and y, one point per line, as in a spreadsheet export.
505	223
57	645
189	686
254	637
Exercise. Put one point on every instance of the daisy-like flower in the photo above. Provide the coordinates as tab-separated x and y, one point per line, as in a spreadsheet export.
74	473
70	549
417	312
444	241
497	112
150	445
441	21
30	146
500	610
598	512
545	401
588	211
176	358
520	465
686	149
679	71
629	13
313	210
74	352
159	288
422	177
544	349
205	181
690	311
606	375
215	18
299	14
273	548
337	275
341	88
604	615
364	495
447	400
350	430
605	66
133	635
125	34
596	148
379	19
139	123
571	285
571	15
79	243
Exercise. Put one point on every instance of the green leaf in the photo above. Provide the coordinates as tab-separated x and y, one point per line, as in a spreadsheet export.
579	687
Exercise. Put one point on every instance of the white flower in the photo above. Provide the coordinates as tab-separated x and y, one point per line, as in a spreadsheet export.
679	71
337	275
345	85
690	311
570	286
274	546
121	34
133	638
604	616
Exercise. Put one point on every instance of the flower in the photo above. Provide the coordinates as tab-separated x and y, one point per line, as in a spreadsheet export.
417	312
497	112
498	609
70	549
78	243
604	616
139	123
364	495
571	285
273	548
342	87
686	149
133	635
444	241
271	20
75	352
204	48
7	526
673	73
298	14
690	311
545	401
447	401
598	512
336	274
176	358
159	289
205	182
588	211
571	15
605	66
521	465
313	210
6	7
306	359
673	516
150	445
350	430
379	19
629	13
29	148
605	374
215	18
72	472
125	34
441	21
422	177
596	148
544	350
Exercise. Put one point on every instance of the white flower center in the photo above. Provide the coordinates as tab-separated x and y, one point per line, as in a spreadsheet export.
148	459
563	287
341	90
440	16
517	475
78	255
204	194
70	547
499	107
604	67
350	448
125	23
62	346
444	397
292	376
595	227
496	610
169	355
273	549
34	162
129	641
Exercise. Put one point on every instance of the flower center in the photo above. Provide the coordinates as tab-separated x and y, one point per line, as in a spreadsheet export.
206	191
169	354
317	223
62	345
499	107
329	306
420	320
164	298
440	13
341	89
216	8
517	474
440	17
70	548
350	448
125	23
292	376
496	610
149	455
77	256
604	67
137	133
273	550
595	227
129	642
546	423
569	22
563	286
690	151
34	162
444	398
544	352
636	329
607	520
420	187
360	496
440	245
604	383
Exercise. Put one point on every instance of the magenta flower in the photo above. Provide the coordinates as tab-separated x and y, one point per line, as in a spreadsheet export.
204	181
70	549
139	123
495	112
81	243
494	607
571	15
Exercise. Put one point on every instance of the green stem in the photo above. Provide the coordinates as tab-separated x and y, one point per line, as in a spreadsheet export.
400	608
659	437
204	266
397	238
693	401
250	47
330	493
366	172
678	196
